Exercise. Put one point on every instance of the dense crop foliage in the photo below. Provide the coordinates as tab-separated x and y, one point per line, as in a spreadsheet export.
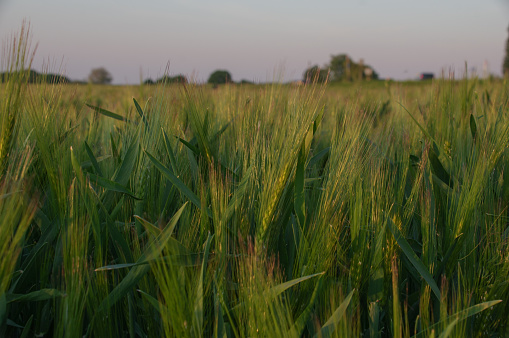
374	209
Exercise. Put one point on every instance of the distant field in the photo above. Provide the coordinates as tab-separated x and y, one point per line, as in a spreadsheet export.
362	209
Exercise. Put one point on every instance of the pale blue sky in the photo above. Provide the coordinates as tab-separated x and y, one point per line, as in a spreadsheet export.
254	39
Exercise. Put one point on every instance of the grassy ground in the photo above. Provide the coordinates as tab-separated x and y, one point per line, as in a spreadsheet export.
375	209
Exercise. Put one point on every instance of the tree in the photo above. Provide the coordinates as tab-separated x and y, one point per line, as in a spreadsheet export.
179	79
35	77
505	65
166	79
220	77
315	73
100	76
342	68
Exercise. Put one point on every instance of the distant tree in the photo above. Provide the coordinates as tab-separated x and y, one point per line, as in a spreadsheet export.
100	76
505	65
340	67
55	78
179	79
343	68
220	77
166	79
35	77
373	75
148	81
315	73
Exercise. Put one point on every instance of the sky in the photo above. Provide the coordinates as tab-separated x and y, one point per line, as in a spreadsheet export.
259	40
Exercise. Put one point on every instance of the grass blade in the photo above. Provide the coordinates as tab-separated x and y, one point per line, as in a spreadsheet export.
190	146
131	315
412	257
448	330
110	185
107	113
3	309
439	169
26	329
149	227
318	120
156	247
331	324
123	173
238	196
198	305
185	259
140	111
93	160
316	158
219	327
36	296
139	271
119	266
461	315
424	131
299	197
155	303
374	319
278	289
303	318
171	155
119	240
447	256
129	281
178	183
473	126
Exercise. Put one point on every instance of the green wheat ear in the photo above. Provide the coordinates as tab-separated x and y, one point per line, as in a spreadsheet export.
17	66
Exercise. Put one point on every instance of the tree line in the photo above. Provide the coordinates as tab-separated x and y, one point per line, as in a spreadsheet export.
341	67
217	77
35	77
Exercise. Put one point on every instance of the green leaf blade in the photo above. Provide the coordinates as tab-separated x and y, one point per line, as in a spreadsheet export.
107	113
328	328
178	183
412	257
111	185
